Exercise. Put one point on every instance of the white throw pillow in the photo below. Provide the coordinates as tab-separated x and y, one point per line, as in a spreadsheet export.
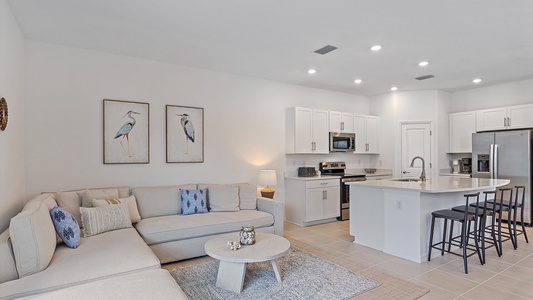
105	218
223	198
247	196
130	201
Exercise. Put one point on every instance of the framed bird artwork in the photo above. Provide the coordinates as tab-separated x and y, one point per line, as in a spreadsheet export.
185	134
126	132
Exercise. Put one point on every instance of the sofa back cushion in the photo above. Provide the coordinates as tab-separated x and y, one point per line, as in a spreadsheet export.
71	202
33	237
8	270
160	201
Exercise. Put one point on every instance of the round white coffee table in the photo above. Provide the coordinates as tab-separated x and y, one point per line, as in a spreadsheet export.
232	266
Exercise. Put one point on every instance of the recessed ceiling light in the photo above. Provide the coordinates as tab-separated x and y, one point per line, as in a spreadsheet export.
477	80
423	63
393	88
311	71
358	81
375	48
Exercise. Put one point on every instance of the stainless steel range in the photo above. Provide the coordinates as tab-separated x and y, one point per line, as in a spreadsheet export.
338	168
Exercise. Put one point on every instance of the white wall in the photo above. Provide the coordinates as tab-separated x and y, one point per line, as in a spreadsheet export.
513	93
244	119
12	64
429	105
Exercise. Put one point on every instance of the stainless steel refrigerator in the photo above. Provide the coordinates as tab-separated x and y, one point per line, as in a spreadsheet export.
505	155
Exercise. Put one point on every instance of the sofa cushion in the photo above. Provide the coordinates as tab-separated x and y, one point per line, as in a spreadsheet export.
193	201
66	226
159	201
98	257
71	201
148	284
173	228
89	195
8	270
33	238
130	201
223	197
97	220
247	196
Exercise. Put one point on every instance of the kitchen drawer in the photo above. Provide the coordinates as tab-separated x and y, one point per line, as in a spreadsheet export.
322	183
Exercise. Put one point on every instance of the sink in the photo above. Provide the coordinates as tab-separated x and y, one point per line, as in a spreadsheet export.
407	179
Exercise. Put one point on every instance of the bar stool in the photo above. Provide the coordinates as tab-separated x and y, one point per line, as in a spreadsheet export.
484	210
512	208
464	218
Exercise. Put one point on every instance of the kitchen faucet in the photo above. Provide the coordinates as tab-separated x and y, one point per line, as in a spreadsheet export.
423	175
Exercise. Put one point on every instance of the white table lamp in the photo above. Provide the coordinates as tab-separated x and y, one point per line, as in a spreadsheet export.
267	178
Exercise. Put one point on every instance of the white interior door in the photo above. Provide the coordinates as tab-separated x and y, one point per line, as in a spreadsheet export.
416	141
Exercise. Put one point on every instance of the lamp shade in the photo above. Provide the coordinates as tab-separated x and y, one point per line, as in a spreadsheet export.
267	177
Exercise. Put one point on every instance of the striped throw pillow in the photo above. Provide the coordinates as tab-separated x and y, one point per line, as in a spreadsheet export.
98	220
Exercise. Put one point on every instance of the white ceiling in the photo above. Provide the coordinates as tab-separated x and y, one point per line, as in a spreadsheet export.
275	39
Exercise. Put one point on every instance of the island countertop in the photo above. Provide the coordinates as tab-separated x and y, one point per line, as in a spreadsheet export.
439	184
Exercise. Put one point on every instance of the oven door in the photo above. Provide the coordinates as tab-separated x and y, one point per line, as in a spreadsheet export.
345	196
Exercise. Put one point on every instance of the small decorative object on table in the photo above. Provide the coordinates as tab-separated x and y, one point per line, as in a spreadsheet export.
234	245
247	235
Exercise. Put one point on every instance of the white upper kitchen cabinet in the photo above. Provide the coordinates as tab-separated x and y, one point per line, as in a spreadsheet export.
462	126
307	130
367	130
491	119
511	117
520	116
341	122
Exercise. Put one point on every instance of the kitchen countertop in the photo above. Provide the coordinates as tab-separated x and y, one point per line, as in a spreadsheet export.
439	184
317	177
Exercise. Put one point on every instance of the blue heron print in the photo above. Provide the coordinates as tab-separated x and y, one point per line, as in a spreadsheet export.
125	130
188	128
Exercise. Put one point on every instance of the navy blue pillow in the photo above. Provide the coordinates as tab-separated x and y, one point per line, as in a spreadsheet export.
66	226
193	201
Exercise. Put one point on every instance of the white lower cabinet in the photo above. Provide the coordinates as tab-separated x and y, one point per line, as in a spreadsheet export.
310	202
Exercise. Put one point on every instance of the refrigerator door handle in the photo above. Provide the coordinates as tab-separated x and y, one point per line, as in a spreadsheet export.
495	162
491	161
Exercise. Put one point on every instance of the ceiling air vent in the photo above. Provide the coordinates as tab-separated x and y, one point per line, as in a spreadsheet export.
424	77
325	49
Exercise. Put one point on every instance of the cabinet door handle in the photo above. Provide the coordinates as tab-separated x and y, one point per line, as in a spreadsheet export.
324	183
504	122
324	195
509	122
342	125
367	147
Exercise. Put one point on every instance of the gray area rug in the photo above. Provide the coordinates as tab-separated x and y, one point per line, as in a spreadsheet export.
305	276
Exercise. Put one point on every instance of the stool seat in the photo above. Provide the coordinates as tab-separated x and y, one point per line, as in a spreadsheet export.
451	215
472	210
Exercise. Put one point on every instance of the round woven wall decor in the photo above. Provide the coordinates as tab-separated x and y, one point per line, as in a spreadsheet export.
3	114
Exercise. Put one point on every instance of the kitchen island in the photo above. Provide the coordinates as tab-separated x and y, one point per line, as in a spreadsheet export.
394	216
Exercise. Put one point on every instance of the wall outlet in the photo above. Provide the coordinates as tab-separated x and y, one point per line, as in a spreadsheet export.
399	205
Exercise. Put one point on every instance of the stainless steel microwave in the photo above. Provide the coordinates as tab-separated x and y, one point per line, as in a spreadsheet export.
341	142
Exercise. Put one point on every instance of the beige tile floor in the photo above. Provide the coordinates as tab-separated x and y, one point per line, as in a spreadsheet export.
507	277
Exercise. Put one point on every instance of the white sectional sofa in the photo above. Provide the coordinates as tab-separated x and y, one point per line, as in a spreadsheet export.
124	261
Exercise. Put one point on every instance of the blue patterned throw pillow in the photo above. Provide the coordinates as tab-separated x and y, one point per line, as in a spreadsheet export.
193	201
66	226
